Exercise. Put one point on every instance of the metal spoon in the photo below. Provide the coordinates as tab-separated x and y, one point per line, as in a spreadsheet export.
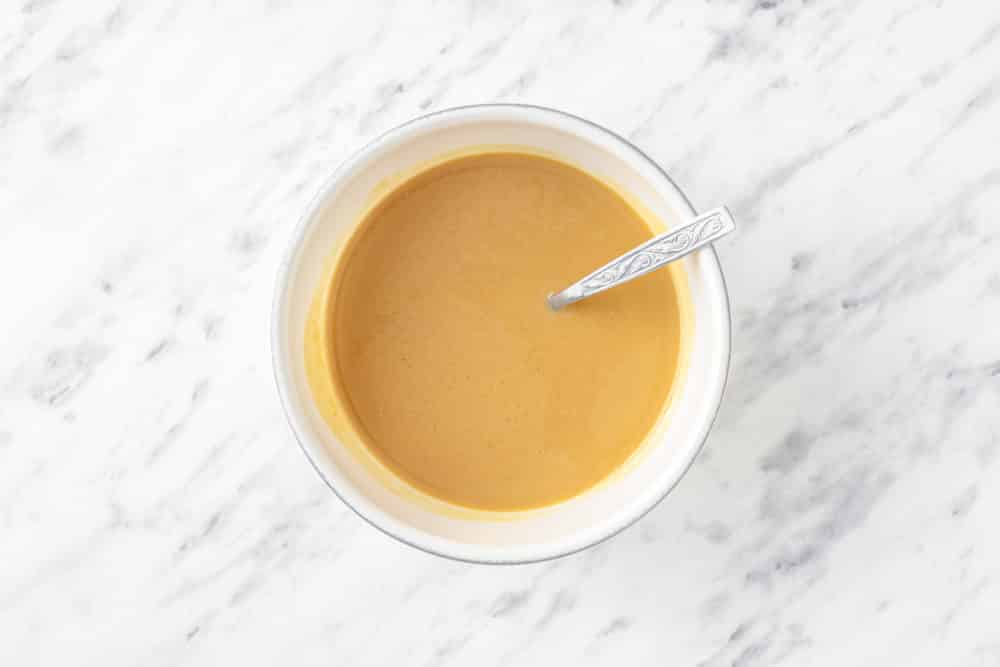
649	256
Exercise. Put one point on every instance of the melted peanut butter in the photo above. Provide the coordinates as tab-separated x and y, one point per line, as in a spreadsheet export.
452	369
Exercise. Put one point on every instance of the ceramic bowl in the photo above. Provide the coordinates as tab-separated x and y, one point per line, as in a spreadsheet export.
537	534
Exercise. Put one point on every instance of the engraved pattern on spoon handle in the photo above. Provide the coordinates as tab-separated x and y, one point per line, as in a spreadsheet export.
650	256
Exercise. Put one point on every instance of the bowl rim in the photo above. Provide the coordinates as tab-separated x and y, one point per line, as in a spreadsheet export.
283	382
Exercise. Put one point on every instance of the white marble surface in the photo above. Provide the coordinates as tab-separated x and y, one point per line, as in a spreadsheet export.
153	507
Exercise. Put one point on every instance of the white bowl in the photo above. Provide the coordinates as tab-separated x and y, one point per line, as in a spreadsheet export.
538	534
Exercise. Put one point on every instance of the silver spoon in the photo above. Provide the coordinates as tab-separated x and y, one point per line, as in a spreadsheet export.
651	255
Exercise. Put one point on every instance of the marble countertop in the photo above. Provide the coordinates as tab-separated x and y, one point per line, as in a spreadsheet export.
154	509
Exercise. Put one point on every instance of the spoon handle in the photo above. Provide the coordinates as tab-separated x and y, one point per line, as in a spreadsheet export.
649	256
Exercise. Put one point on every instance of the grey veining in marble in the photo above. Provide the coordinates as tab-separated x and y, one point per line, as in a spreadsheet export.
153	159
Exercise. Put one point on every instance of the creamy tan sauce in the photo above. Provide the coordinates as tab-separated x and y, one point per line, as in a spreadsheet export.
452	369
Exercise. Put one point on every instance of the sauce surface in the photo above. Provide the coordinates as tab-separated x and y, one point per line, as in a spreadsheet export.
454	371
